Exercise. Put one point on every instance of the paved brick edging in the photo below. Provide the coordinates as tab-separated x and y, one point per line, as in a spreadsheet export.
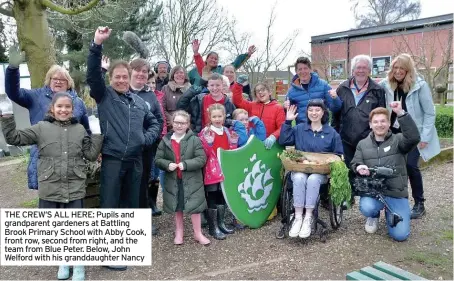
445	155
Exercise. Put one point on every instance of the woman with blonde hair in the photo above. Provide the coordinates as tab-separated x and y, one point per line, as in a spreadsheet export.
404	84
38	101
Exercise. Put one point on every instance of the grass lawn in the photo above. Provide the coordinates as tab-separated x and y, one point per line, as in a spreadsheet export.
444	109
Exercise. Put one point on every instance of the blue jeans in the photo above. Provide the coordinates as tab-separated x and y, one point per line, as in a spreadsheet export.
370	207
161	179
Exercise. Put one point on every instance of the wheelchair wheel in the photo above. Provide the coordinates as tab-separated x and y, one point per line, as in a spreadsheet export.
335	214
286	203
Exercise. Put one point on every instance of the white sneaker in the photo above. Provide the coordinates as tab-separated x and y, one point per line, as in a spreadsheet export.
371	225
307	227
296	227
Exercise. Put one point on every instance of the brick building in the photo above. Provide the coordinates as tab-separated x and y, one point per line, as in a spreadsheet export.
428	40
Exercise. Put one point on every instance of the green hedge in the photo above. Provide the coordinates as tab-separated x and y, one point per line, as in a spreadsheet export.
444	121
444	125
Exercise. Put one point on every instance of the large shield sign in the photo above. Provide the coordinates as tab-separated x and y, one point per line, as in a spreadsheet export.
252	183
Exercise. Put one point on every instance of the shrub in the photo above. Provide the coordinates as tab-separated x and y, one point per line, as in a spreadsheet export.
444	124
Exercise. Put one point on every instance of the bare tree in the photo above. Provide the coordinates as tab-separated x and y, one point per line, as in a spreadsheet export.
271	56
33	30
182	21
425	50
379	12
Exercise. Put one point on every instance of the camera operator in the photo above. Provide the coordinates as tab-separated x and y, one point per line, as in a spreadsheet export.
383	148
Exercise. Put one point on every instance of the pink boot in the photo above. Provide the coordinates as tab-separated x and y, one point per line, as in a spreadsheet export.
197	227
178	228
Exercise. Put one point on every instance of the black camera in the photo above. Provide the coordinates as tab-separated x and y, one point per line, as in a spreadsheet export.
373	186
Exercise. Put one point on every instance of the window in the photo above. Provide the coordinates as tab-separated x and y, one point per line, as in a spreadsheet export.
337	70
380	66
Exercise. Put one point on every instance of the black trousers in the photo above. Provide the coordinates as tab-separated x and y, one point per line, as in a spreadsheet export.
414	175
120	182
147	157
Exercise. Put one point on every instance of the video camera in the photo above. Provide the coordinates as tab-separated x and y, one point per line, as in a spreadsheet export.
373	186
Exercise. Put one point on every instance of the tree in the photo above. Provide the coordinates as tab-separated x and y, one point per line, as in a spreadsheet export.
33	30
181	22
271	56
3	57
432	54
73	34
380	12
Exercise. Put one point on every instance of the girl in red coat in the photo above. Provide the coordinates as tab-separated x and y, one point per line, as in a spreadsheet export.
264	107
215	136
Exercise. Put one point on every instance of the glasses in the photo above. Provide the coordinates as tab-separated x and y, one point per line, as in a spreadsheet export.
179	123
57	80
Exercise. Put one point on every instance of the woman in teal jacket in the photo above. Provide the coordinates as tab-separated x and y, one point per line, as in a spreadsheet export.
404	84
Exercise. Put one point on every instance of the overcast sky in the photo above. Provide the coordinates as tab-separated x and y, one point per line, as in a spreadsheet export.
312	18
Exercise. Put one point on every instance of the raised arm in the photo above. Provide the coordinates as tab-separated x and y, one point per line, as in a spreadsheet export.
241	59
287	134
238	100
332	99
22	97
197	57
95	77
26	136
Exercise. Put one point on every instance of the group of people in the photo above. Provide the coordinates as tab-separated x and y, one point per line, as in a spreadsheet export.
164	127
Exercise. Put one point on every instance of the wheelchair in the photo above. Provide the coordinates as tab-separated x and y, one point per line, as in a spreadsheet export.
288	211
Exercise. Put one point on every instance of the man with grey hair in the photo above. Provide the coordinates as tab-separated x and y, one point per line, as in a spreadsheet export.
360	95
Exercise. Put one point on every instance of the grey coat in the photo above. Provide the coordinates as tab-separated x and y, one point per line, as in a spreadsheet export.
62	148
422	109
392	152
193	158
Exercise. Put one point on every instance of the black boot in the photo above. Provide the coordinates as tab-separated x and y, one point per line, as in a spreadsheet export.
221	220
418	210
203	218
213	225
153	196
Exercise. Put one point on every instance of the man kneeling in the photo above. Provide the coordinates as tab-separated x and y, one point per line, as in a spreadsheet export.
382	148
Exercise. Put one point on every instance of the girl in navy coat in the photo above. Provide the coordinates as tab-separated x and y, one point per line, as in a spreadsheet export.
314	136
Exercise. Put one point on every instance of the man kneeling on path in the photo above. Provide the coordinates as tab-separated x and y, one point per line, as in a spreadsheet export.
382	148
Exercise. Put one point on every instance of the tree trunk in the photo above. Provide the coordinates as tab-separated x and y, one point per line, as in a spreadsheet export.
34	39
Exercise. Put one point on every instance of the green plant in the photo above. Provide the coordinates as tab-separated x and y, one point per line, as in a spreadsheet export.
444	124
340	190
30	204
446	110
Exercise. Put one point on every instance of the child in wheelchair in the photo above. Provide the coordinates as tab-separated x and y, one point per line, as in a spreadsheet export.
314	136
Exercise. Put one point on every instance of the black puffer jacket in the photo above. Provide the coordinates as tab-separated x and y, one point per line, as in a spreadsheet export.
352	121
392	152
192	102
126	122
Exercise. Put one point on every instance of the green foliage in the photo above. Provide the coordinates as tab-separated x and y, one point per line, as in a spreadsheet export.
75	33
444	122
340	188
447	110
3	57
30	204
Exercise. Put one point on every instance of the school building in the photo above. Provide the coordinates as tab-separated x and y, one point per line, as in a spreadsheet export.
428	40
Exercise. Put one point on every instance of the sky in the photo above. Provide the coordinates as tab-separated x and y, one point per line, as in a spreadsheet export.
315	17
